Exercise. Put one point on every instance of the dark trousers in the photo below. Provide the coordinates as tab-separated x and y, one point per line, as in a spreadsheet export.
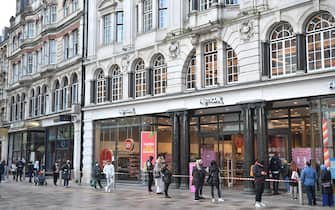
19	173
56	175
217	185
197	190
98	180
310	191
166	188
259	188
66	182
150	181
275	184
30	174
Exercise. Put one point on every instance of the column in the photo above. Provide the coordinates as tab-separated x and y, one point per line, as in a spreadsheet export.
301	53
184	150
176	148
262	139
77	147
249	153
220	62
87	151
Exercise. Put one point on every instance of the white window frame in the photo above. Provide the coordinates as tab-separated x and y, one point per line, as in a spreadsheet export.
107	29
140	79
205	4
30	64
210	57
232	66
163	13
191	73
147	15
116	84
119	26
101	88
159	75
52	51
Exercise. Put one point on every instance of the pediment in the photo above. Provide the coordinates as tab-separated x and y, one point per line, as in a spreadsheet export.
104	4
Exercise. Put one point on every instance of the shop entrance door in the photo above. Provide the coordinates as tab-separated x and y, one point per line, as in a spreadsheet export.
278	143
209	149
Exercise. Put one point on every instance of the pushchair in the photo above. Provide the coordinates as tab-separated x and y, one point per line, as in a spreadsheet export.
40	179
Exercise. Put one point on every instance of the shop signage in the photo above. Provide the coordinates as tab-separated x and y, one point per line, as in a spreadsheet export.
211	100
127	111
65	118
105	154
129	144
148	146
191	166
17	125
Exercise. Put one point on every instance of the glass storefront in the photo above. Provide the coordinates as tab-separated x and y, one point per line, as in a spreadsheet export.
27	145
60	143
112	137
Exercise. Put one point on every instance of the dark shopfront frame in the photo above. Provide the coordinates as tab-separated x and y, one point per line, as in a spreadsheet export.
24	150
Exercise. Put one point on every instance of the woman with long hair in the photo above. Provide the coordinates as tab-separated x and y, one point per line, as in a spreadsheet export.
214	180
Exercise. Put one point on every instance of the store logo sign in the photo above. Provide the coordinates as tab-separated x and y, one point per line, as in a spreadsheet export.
331	84
129	144
211	100
127	111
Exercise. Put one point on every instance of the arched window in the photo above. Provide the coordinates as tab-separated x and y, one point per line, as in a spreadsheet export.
12	109
22	106
190	74
232	65
65	94
140	79
44	99
116	83
160	75
37	101
283	50
56	97
17	107
210	61
320	40
74	89
31	103
101	87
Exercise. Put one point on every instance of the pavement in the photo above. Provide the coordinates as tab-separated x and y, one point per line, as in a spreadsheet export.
25	196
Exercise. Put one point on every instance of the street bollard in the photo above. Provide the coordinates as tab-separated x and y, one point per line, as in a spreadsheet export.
301	202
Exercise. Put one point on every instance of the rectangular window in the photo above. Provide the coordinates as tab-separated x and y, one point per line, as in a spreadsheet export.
29	63
107	29
147	15
119	26
205	4
52	49
66	46
75	42
75	5
53	14
163	13
232	2
66	9
46	17
30	30
210	61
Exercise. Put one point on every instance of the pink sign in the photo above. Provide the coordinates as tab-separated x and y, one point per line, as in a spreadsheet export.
191	165
301	155
148	146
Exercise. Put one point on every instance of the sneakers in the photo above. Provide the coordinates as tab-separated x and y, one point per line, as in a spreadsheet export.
258	205
220	200
262	204
213	200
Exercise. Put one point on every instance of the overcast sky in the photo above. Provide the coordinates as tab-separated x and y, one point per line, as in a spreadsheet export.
7	9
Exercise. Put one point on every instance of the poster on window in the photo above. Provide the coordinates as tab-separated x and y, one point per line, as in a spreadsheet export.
191	166
148	146
207	154
301	155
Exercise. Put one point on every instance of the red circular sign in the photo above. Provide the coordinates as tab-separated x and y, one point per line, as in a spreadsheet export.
129	144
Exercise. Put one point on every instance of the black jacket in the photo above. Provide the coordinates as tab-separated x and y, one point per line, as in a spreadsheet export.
259	178
214	175
326	183
198	176
97	172
275	164
167	175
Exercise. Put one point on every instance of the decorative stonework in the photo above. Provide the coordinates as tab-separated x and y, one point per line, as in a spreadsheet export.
246	30
174	49
124	63
195	39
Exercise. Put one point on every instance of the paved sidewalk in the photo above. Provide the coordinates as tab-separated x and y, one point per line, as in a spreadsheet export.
22	195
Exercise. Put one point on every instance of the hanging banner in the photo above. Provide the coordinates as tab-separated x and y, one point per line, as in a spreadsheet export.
148	146
191	166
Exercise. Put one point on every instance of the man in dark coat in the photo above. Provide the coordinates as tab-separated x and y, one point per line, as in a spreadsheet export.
66	173
260	175
167	176
275	167
2	169
150	169
198	178
19	166
97	175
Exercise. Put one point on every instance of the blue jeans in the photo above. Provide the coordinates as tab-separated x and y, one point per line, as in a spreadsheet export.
310	191
287	184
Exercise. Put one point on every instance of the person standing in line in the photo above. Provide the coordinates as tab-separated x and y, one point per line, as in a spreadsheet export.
30	170
275	167
286	173
214	180
36	167
167	176
158	176
150	168
260	175
55	170
294	180
97	175
13	170
109	172
326	187
202	179
2	170
66	173
197	176
19	170
309	179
